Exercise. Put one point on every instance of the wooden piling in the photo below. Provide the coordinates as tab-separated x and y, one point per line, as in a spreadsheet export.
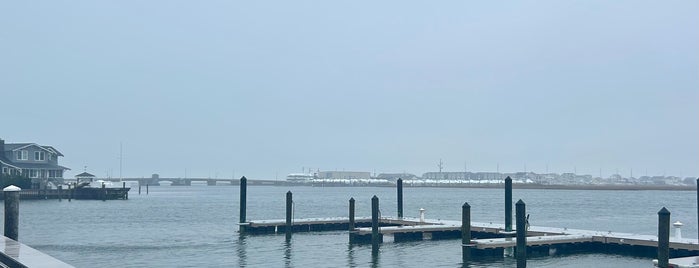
139	188
374	225
146	188
466	231
60	193
289	209
663	238
104	193
243	200
521	249
508	204
399	188
12	211
70	192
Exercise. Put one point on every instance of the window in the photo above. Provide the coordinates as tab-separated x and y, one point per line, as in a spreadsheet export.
5	171
23	155
33	173
39	156
50	157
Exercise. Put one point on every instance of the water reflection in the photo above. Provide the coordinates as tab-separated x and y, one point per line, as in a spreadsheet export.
287	251
350	256
375	258
241	250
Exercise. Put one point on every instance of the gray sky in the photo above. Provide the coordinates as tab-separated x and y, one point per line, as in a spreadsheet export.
262	88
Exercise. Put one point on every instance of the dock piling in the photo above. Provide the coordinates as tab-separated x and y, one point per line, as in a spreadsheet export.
139	188
508	204
60	193
466	231
374	225
12	211
663	238
351	219
289	204
521	249
104	193
243	200
146	188
399	188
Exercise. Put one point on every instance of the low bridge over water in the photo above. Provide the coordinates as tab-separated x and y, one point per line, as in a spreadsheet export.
156	180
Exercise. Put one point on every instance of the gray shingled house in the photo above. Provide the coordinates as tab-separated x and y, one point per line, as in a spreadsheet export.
36	162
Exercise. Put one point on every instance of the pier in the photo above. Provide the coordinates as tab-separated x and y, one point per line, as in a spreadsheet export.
485	239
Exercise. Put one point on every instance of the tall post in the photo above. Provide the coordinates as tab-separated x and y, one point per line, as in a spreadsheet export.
146	188
289	204
521	250
60	193
139	188
70	193
663	238
374	225
243	200
399	188
508	204
351	219
466	230
12	211
104	193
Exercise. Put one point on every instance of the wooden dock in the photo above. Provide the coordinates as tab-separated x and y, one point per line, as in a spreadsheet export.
79	193
489	238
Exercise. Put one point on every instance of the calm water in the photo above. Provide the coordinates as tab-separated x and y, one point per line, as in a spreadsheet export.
195	226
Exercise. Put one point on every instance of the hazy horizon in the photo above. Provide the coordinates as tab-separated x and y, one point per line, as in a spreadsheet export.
262	89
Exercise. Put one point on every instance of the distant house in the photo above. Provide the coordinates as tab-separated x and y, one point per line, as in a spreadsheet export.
37	162
84	177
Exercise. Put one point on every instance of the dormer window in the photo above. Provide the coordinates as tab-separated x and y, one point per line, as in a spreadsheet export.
23	155
39	156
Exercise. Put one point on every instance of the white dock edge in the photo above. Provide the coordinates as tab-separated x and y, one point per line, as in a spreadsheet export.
686	262
16	254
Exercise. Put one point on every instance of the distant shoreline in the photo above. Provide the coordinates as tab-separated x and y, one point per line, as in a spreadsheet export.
601	187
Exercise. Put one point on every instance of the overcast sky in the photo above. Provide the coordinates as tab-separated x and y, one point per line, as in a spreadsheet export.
263	89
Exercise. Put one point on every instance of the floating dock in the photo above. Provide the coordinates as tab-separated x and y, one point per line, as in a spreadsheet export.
488	238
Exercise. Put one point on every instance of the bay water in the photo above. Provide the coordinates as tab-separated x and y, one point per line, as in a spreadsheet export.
196	226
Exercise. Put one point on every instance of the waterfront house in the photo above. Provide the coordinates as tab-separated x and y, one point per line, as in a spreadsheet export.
36	162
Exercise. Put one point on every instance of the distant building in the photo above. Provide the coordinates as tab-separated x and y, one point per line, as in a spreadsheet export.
344	175
84	177
37	162
396	176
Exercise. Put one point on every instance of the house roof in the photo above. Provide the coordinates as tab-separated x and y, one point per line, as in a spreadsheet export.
85	174
6	162
38	166
18	146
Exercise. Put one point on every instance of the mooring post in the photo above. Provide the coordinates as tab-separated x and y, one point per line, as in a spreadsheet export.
146	188
123	185
508	204
289	204
399	188
139	188
374	225
60	193
466	231
663	238
521	249
70	193
12	211
243	200
351	219
104	193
